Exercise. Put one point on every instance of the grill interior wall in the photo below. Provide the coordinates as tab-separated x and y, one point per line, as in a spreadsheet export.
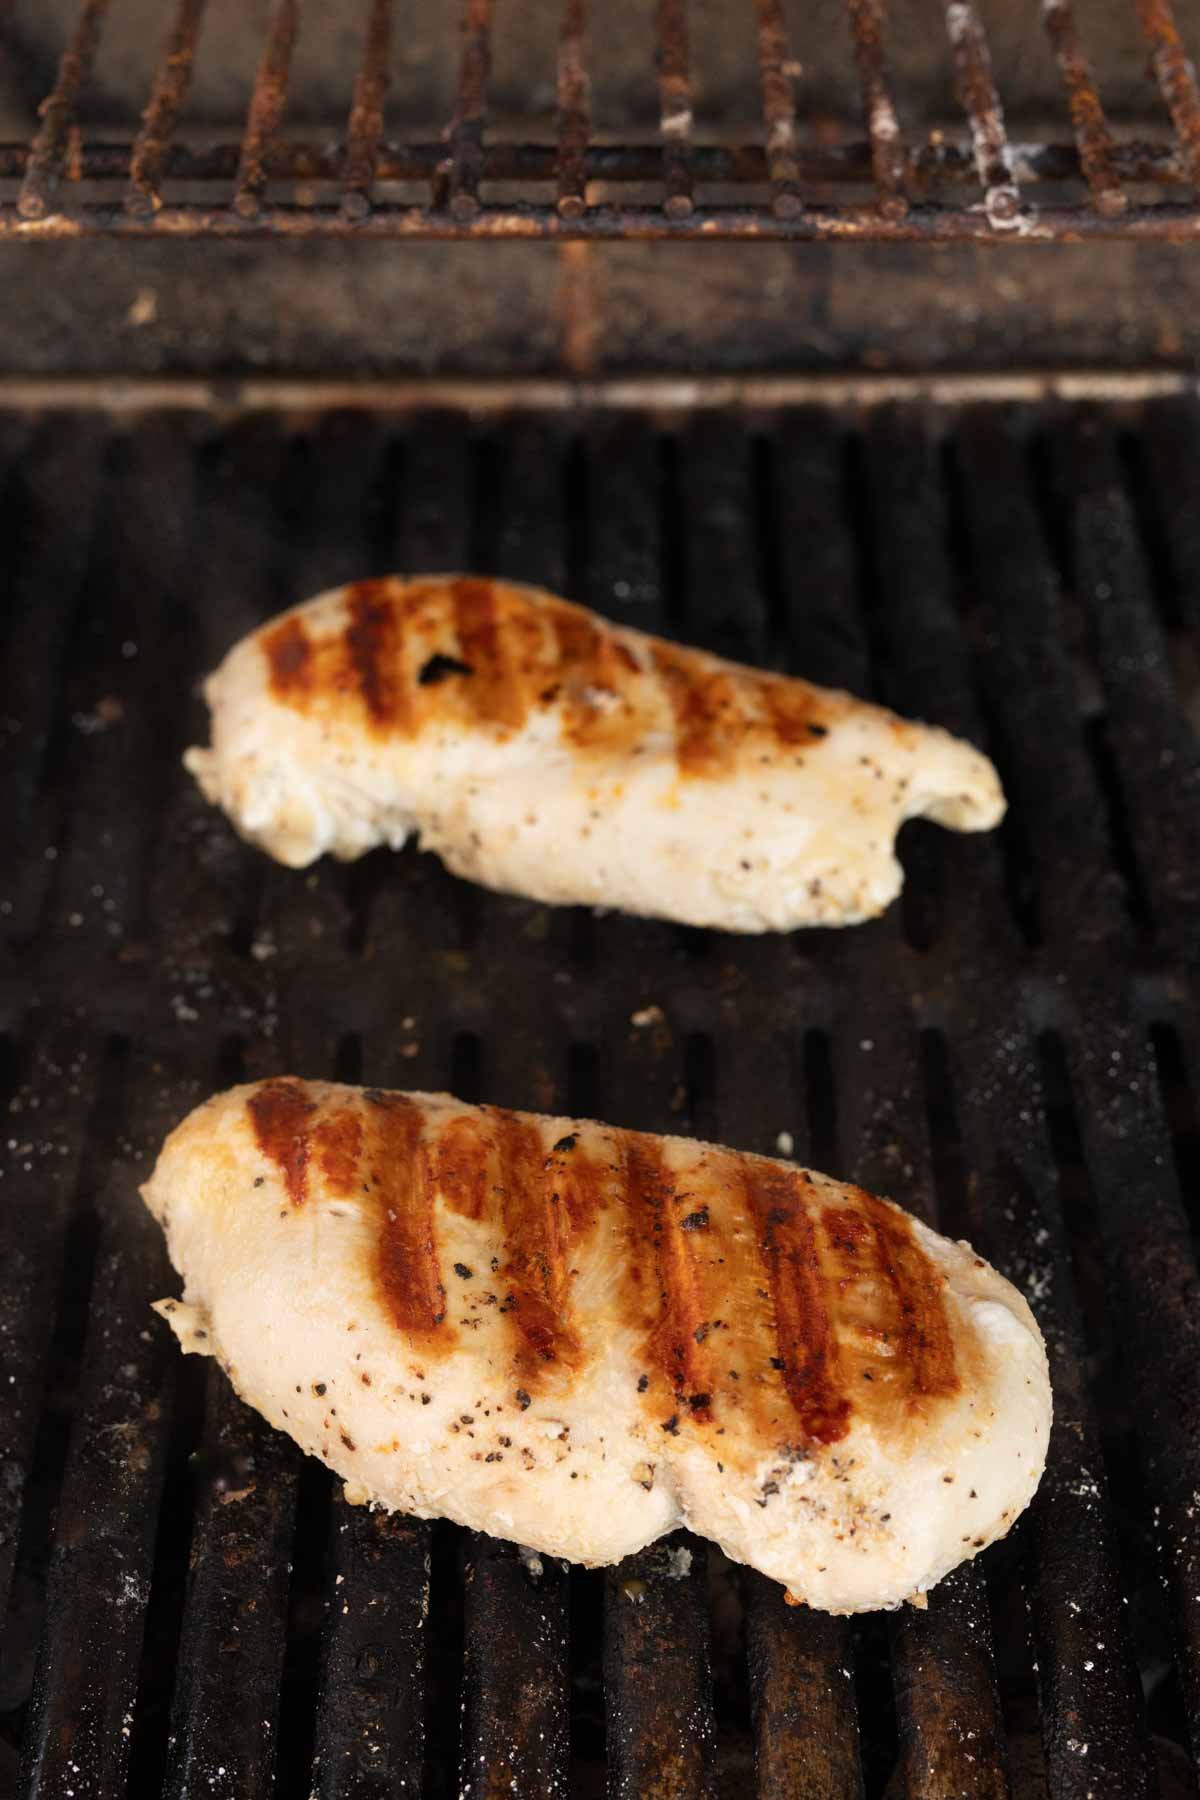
1013	1051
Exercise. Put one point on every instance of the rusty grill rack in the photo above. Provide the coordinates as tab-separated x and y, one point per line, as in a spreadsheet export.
1014	1052
984	187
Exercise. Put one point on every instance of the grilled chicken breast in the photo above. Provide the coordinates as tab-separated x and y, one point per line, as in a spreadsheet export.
540	750
579	1337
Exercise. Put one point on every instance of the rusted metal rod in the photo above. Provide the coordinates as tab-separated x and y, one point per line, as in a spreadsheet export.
1176	77
847	224
981	103
365	129
1092	135
266	107
779	109
675	106
48	152
461	171
166	99
574	125
934	166
889	159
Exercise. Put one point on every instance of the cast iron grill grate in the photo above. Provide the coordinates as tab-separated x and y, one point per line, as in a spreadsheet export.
793	173
1012	1051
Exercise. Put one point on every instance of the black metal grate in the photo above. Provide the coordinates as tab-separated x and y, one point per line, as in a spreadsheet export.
780	176
1014	1051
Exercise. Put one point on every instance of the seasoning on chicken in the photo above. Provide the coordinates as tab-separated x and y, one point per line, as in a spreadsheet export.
580	1338
542	751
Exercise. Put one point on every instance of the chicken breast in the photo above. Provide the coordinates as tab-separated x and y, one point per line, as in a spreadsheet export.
542	751
580	1338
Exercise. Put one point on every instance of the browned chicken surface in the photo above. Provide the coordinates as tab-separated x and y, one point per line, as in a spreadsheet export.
578	1337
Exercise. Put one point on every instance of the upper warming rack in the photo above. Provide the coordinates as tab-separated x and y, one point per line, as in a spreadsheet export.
794	172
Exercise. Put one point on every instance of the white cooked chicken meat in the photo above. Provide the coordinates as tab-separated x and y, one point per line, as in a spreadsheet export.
540	750
580	1338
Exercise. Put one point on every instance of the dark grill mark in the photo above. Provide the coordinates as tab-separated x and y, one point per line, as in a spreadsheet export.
775	1199
577	640
581	1188
790	707
374	640
671	1345
926	1344
535	1266
338	1142
407	1267
462	1157
708	721
496	691
281	1114
515	652
591	661
289	655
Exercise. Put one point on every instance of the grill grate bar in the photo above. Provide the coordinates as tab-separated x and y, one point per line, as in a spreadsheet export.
889	157
1077	1597
1148	726
1171	453
371	1724
739	538
801	1663
1168	222
981	103
660	1720
779	108
1077	1591
915	197
1087	113
225	1716
516	1734
171	83
574	125
34	1224
657	1663
674	107
925	641
934	166
266	107
1176	77
1152	1262
365	128
460	174
49	150
54	491
1152	1278
516	1726
78	1734
948	1716
802	1695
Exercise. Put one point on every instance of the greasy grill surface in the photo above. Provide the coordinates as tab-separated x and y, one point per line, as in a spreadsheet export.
1011	1052
969	180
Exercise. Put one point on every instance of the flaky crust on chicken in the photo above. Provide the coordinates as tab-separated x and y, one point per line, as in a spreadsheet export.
579	1338
540	750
